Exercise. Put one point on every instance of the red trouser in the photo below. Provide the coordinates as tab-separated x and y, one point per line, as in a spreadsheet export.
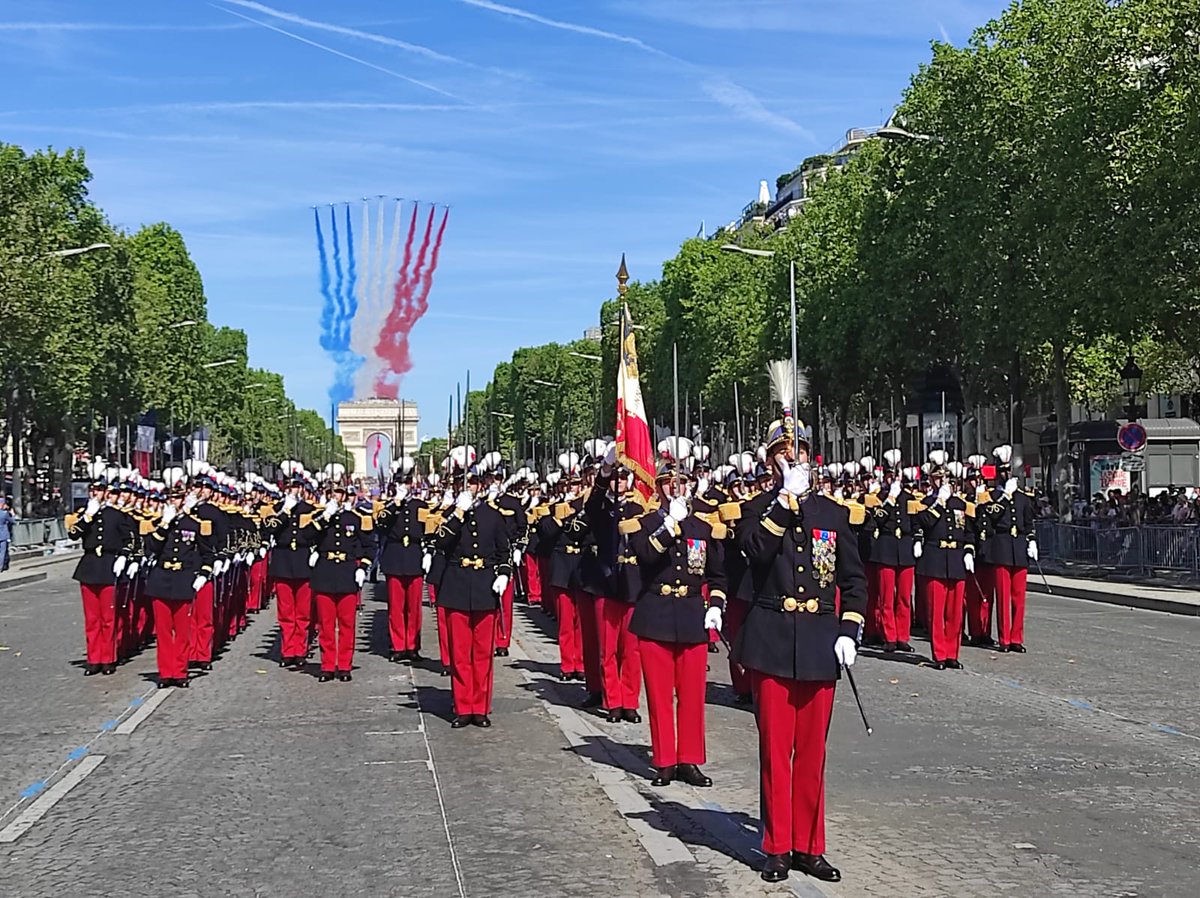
1010	603
673	669
620	661
873	626
258	577
533	579
589	638
336	616
979	601
504	620
547	588
946	617
735	614
239	597
570	640
404	612
471	649
173	636
921	602
442	628
293	609
895	602
793	721
202	623
100	622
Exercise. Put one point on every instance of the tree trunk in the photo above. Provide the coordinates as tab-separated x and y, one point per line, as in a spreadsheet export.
1063	479
1017	409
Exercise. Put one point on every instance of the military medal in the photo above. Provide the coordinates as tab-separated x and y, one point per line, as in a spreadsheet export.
824	547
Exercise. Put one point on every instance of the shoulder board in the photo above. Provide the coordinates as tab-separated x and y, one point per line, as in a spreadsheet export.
1030	493
507	512
730	511
713	520
970	509
629	525
71	520
915	506
985	496
432	523
368	522
206	528
376	507
423	514
872	500
858	513
306	520
562	511
146	527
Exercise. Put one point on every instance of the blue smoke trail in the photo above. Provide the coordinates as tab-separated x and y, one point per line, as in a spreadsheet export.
329	309
351	302
336	333
338	292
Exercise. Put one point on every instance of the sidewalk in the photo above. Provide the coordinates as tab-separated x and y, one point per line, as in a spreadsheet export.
1151	596
34	569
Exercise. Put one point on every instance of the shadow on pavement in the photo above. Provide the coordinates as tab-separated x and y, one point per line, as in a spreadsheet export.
731	833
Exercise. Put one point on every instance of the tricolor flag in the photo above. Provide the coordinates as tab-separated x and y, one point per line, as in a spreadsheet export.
634	448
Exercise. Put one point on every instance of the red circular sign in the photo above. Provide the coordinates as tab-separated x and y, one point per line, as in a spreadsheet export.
1131	436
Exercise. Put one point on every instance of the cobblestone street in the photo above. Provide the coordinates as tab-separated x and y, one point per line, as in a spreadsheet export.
1067	771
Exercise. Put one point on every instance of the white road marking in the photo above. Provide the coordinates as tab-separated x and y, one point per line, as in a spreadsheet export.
144	710
420	729
49	799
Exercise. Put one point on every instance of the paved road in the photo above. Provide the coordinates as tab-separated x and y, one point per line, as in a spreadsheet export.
1069	771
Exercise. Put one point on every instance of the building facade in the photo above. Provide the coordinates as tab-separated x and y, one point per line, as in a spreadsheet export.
376	432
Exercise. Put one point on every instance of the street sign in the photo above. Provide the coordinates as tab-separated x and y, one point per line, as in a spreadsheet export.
1131	436
1133	463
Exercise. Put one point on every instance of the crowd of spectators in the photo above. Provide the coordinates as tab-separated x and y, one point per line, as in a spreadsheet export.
1173	507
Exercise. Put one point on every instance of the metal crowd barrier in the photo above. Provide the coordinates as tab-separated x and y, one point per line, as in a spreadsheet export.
29	532
1146	548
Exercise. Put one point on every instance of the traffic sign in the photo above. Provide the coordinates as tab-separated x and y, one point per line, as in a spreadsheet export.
1131	436
1133	463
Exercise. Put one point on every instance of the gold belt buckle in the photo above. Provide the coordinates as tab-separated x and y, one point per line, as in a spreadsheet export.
405	540
1014	531
336	556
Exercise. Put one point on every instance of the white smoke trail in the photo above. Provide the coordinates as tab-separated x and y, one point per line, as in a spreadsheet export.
361	341
371	315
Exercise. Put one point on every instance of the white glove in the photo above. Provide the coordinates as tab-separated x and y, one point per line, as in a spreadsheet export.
219	567
189	502
943	494
119	565
198	583
500	584
401	494
894	490
610	457
969	562
168	514
678	510
845	651
795	479
426	562
701	486
447	499
1032	551
312	558
348	505
465	501
132	570
712	619
93	506
516	557
493	491
534	501
289	502
1010	487
331	508
262	552
360	577
917	549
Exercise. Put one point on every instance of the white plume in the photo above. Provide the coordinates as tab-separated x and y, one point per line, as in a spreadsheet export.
1003	453
892	457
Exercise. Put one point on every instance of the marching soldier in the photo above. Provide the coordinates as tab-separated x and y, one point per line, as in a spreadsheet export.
182	546
107	535
947	557
810	595
288	572
402	526
892	554
1010	548
563	533
474	538
203	630
508	503
738	581
677	554
980	586
340	558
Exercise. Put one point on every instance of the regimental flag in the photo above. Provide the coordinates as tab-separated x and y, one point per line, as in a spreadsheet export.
634	448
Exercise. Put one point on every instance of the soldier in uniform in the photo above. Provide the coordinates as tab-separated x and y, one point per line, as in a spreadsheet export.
677	554
810	597
947	557
402	527
1010	548
981	584
340	558
203	630
288	572
892	554
563	533
508	503
739	583
107	535
535	508
182	547
474	538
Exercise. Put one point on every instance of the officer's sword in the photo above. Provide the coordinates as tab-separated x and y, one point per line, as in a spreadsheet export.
1045	582
854	689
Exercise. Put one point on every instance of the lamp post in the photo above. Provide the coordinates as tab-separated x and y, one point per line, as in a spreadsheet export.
1131	385
595	388
894	130
545	441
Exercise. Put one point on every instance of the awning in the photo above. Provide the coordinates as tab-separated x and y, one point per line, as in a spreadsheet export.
1164	429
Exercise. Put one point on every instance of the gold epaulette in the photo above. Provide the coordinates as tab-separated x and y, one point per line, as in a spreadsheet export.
368	522
730	511
984	497
423	514
71	520
704	506
915	506
713	519
377	507
206	528
433	522
858	512
306	520
626	526
970	509
145	527
562	511
872	500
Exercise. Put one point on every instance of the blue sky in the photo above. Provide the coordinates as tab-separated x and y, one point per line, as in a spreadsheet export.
561	133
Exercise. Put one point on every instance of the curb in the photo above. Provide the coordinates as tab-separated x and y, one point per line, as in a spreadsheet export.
23	580
1146	603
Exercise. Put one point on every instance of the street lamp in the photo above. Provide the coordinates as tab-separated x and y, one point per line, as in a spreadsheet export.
79	250
187	322
893	131
1131	385
585	355
220	363
503	415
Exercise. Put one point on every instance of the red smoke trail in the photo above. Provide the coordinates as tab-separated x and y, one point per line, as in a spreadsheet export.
410	301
